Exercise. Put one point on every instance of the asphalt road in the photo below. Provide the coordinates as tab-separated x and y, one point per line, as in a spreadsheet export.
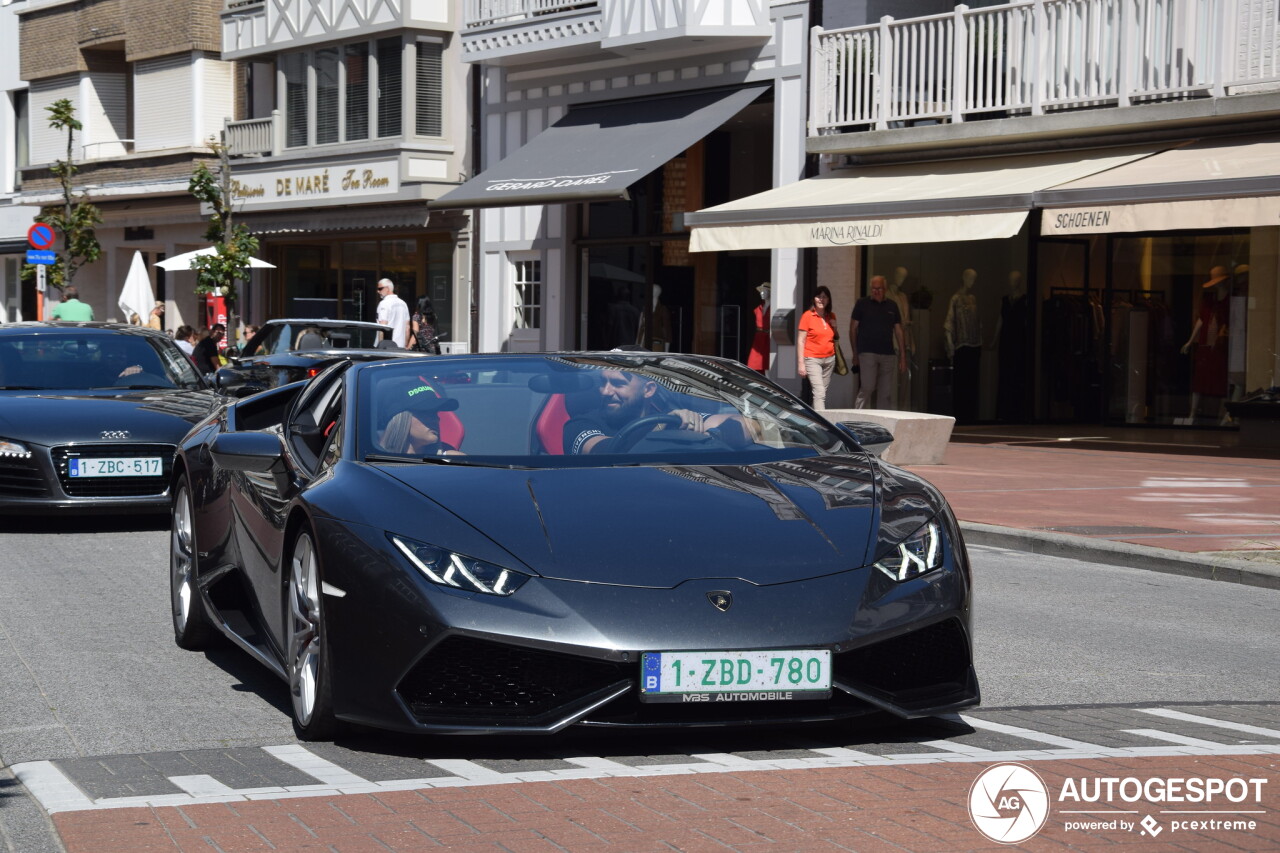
88	666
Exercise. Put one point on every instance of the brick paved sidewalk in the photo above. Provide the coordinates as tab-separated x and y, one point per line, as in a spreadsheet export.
922	807
1199	504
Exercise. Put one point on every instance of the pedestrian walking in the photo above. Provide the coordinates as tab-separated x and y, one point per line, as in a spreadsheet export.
875	327
423	324
815	346
393	312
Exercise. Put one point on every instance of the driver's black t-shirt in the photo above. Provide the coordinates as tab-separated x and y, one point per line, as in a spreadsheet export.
578	430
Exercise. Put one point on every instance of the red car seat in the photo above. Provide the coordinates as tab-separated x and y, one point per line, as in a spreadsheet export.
549	425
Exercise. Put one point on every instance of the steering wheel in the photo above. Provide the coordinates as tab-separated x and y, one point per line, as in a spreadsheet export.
629	436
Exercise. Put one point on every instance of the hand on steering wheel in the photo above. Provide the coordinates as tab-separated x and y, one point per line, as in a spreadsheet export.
631	434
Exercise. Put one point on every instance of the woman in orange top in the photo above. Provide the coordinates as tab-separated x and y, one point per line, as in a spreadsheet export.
815	348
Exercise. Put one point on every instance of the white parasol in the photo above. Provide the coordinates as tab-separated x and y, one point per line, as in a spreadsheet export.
137	296
183	261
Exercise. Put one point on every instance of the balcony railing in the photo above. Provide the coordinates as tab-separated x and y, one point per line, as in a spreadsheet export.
107	149
1034	56
252	136
480	13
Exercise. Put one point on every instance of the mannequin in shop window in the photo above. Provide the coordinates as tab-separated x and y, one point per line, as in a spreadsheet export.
963	332
1236	323
624	317
758	357
1208	342
897	292
661	325
1010	344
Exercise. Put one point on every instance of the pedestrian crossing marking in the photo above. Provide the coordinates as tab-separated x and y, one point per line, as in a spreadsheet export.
951	746
1209	721
468	770
201	785
1156	734
313	765
56	792
1028	734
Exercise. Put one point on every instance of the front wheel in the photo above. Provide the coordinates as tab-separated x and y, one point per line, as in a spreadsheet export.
191	628
308	646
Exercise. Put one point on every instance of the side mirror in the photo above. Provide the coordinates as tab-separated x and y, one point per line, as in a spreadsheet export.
225	379
871	437
246	451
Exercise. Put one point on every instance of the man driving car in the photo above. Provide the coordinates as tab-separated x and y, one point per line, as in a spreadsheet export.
626	398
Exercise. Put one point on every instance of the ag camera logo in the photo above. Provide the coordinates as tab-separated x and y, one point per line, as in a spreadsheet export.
1008	803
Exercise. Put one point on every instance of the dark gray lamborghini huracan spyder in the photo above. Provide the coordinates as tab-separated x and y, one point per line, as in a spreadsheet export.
520	543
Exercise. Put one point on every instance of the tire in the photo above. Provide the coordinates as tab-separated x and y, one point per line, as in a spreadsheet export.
307	646
191	627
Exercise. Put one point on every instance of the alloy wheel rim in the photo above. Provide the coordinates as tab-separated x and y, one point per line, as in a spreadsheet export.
182	558
304	630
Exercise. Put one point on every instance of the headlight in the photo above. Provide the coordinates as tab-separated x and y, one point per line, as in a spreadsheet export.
919	553
13	448
449	569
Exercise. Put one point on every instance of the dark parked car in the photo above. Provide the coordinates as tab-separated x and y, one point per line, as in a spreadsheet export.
90	415
285	351
415	545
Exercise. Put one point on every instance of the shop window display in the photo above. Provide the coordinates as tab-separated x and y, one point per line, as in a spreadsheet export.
966	327
1177	328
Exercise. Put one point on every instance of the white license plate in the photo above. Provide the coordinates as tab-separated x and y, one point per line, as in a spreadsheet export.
129	466
735	676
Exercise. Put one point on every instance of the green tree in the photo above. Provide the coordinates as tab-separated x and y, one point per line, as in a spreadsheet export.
233	245
76	218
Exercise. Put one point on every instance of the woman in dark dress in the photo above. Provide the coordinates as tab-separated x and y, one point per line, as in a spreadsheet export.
423	325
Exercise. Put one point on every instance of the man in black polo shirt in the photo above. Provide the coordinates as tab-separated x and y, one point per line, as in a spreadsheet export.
875	327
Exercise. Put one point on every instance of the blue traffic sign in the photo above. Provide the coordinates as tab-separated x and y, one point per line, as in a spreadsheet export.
45	258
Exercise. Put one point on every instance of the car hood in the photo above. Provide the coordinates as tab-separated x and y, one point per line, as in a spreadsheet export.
52	417
658	526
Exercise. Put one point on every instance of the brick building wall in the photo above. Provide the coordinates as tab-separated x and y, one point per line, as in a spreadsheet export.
144	28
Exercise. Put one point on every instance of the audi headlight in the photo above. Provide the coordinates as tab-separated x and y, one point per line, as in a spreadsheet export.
919	553
446	568
14	448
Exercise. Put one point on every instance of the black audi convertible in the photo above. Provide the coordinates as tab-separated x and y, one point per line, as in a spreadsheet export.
90	416
518	543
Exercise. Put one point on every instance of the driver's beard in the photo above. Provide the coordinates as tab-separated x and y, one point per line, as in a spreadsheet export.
625	414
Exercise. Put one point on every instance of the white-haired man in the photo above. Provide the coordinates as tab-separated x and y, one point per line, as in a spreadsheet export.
393	312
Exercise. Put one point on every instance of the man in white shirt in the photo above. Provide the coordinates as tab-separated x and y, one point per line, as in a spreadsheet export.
393	312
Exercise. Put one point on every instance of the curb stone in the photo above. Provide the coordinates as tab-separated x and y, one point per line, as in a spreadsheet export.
1108	552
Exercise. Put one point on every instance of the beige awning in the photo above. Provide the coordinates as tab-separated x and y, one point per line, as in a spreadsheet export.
1219	183
975	199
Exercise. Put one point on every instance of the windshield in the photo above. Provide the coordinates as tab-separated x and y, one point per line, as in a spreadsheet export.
287	337
75	360
598	410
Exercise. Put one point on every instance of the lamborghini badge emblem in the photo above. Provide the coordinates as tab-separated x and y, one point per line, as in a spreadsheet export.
720	599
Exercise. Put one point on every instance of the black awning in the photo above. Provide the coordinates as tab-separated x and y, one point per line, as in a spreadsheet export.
594	153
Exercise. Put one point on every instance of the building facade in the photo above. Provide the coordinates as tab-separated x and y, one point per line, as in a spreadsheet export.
151	91
350	118
602	125
1076	204
14	219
